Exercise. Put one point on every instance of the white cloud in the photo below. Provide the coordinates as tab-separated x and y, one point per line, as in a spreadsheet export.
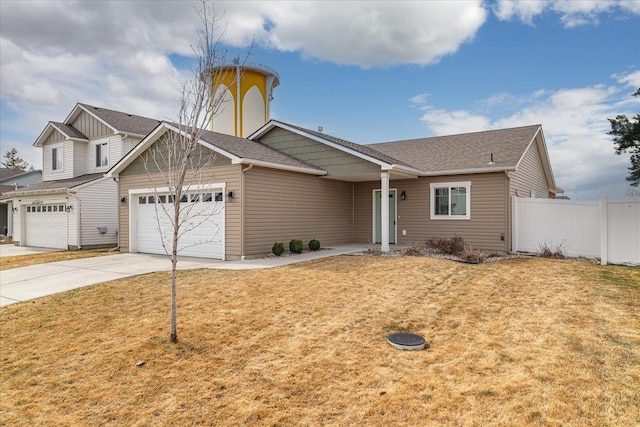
572	13
358	33
575	125
630	79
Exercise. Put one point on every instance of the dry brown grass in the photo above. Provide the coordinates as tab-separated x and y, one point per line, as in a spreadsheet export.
518	342
7	263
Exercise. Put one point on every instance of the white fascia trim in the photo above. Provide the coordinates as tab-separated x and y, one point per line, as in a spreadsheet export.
383	165
270	165
126	134
469	171
401	169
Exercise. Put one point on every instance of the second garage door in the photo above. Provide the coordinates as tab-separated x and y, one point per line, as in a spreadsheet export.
202	234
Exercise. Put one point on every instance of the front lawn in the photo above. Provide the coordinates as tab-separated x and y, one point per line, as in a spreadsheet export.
516	342
7	263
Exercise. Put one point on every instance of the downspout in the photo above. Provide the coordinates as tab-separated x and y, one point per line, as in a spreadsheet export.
507	195
242	215
117	248
353	212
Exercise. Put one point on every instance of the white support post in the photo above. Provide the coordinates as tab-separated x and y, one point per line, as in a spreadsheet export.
384	211
604	234
514	224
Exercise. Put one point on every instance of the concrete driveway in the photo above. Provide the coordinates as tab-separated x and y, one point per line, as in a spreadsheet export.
13	250
35	281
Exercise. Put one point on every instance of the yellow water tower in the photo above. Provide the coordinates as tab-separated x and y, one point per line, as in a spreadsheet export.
242	94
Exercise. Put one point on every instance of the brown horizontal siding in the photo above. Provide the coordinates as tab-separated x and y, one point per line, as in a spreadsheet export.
230	175
530	175
280	206
482	231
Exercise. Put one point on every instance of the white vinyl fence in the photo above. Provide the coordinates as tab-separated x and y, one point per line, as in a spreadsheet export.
608	229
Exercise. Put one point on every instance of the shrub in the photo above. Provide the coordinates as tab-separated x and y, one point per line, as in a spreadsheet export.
452	246
278	248
314	245
413	249
374	250
547	252
474	257
296	246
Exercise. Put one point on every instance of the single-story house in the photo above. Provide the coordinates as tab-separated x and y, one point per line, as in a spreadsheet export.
75	205
285	182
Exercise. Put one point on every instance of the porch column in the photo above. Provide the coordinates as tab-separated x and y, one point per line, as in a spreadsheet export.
384	210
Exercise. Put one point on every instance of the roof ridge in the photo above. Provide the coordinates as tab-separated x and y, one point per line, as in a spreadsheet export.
457	134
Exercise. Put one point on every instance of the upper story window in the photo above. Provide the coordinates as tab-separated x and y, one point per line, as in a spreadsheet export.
451	200
57	158
102	155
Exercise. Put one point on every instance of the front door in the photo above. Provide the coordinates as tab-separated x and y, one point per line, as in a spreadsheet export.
377	220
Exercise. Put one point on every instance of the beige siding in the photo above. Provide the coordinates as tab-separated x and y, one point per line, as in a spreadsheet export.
91	127
482	231
335	162
281	206
134	177
98	208
530	175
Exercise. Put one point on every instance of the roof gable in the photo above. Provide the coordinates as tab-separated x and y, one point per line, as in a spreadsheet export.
65	132
239	150
365	152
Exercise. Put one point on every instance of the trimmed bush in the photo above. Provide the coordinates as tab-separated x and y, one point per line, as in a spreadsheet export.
296	246
278	248
314	245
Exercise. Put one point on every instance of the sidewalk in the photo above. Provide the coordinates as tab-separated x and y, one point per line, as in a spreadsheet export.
35	281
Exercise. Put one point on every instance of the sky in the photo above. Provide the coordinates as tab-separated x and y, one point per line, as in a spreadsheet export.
366	71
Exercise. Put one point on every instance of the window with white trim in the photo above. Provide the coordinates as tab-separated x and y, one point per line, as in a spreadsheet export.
451	200
102	155
57	158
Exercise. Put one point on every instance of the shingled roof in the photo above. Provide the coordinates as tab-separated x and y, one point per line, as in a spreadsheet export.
464	151
122	122
69	131
57	186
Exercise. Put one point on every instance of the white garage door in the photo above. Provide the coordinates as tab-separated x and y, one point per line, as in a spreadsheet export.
202	234
46	226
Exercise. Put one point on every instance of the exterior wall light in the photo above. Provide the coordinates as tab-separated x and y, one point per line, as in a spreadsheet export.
403	195
230	196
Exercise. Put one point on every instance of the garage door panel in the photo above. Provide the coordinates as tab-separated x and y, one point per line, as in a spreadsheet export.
46	226
201	233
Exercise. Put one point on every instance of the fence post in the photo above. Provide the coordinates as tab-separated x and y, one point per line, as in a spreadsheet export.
604	232
514	224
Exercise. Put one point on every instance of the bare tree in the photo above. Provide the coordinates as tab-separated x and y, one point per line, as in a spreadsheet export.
177	165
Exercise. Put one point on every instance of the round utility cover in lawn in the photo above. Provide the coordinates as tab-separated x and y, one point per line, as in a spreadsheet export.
406	341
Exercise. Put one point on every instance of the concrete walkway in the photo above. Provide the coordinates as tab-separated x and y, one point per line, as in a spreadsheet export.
35	281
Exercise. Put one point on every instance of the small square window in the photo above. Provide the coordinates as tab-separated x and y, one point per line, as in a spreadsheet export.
451	200
142	200
162	199
194	198
49	208
207	197
152	199
55	208
28	208
218	197
170	198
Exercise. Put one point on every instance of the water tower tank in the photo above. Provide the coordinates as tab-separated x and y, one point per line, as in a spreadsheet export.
242	93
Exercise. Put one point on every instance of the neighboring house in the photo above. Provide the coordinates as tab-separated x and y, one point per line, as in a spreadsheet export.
285	182
12	179
75	205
